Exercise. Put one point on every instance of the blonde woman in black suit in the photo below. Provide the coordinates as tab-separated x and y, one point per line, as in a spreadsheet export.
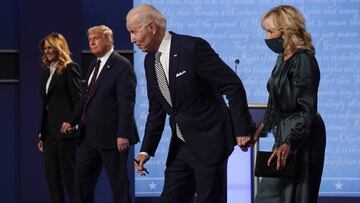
61	91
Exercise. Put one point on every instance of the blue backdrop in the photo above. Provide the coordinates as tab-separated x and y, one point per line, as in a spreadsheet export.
233	29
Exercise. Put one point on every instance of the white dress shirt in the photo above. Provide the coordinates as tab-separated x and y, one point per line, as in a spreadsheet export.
103	60
52	68
165	53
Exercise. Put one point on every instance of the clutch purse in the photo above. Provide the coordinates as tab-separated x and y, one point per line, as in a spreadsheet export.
263	170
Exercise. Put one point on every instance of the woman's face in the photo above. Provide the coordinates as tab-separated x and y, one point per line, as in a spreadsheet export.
49	52
272	34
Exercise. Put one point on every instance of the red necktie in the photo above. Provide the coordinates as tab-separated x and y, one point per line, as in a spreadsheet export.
89	90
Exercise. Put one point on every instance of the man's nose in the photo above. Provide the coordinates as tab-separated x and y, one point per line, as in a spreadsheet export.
132	38
91	42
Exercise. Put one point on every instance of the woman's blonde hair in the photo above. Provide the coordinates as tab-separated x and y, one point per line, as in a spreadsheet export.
59	44
291	24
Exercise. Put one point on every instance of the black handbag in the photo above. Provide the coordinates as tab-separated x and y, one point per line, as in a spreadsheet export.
263	170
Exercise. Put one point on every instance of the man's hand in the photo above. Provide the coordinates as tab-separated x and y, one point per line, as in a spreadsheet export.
122	143
140	160
40	146
66	128
244	142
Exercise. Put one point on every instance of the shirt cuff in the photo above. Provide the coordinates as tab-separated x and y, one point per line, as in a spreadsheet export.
144	153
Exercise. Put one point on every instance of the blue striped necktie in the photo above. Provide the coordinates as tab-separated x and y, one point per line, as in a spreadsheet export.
164	87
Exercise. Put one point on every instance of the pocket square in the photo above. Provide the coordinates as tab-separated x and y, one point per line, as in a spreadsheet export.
180	73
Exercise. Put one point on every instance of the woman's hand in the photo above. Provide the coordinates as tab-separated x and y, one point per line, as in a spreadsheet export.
257	133
40	146
281	155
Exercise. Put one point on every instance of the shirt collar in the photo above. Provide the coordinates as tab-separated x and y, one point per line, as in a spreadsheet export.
104	58
53	67
165	43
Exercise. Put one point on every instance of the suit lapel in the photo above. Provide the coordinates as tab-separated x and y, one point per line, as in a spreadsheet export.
53	82
44	80
173	66
90	70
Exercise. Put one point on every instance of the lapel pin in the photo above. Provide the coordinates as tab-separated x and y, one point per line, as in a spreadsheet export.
175	55
108	66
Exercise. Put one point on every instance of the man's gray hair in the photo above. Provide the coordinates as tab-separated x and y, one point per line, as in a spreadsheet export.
146	14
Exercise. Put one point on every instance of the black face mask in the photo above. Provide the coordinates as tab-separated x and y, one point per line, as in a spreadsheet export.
275	44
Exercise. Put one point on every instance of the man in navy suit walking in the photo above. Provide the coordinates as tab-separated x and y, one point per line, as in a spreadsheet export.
107	120
186	79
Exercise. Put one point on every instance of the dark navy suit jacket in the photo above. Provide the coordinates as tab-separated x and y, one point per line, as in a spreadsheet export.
110	110
198	79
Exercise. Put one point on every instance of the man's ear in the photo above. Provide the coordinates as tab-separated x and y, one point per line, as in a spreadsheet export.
108	43
153	28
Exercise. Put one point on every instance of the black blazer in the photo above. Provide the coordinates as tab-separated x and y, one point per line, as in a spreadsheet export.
110	110
198	79
292	106
64	94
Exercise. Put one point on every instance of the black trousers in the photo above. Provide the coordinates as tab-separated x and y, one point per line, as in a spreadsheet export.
186	178
59	159
89	162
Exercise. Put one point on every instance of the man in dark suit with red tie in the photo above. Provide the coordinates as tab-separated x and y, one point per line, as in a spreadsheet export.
107	120
186	79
